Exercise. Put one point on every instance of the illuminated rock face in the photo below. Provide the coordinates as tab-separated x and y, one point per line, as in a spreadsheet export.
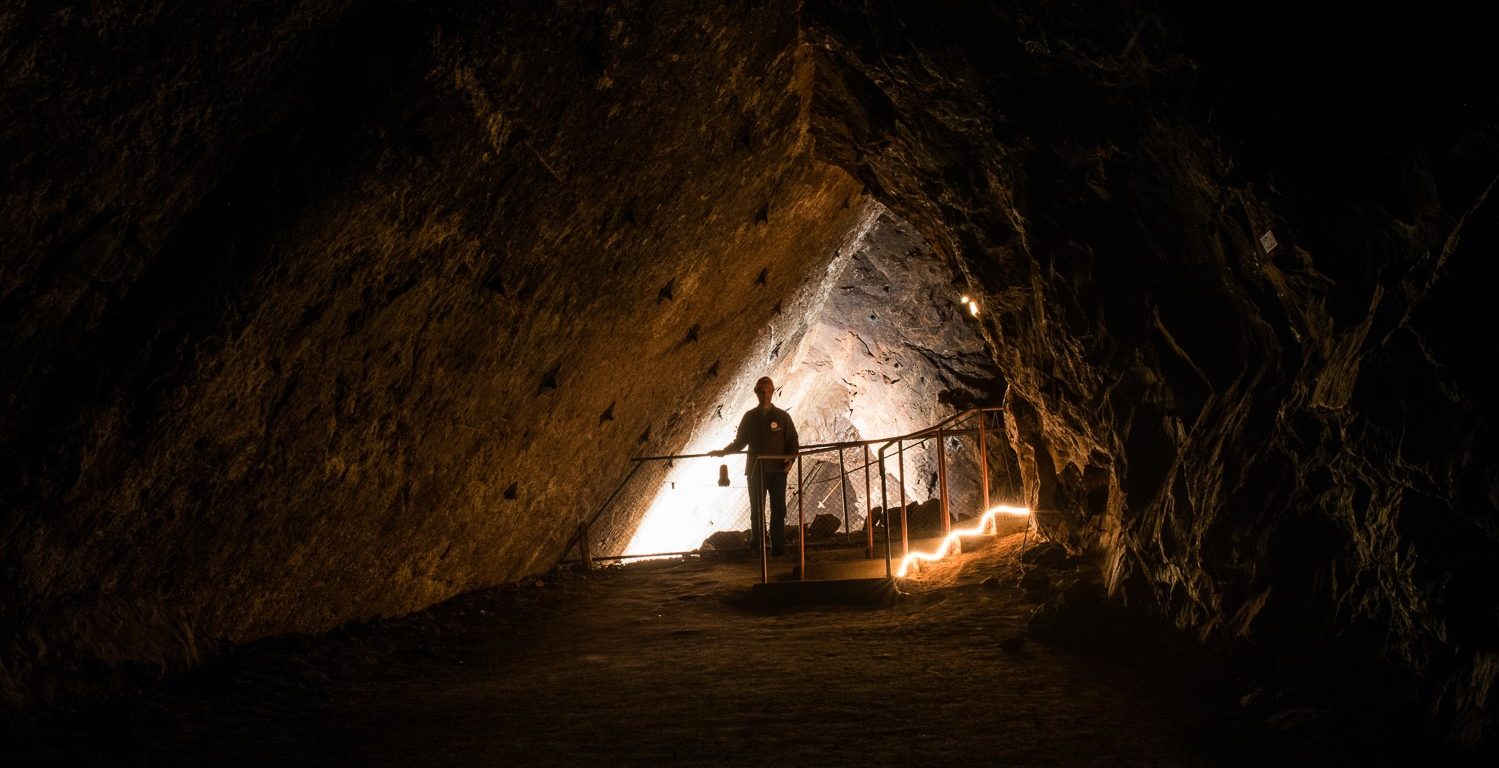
333	310
876	348
894	353
1279	444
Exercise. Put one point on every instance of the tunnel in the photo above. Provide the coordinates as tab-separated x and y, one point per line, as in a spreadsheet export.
882	344
337	335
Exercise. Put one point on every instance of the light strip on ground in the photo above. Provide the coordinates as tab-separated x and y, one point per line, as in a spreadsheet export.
952	537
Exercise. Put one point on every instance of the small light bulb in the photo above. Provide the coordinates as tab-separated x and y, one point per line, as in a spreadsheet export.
964	301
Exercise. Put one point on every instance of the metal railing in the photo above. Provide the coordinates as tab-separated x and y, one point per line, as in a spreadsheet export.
582	543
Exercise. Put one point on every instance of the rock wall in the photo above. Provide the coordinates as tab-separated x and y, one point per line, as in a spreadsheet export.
876	348
895	352
314	312
1227	273
318	311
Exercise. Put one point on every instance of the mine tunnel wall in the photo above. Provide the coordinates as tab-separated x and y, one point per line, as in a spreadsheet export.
314	312
878	346
321	312
1276	446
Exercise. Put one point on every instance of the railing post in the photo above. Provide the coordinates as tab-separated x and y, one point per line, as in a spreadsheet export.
801	520
843	493
585	553
984	459
942	481
885	510
900	462
763	527
868	506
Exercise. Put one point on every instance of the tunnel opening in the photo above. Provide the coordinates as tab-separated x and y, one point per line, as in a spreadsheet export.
887	344
527	254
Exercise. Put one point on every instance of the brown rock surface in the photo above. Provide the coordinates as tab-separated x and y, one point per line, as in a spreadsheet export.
314	312
1279	446
314	331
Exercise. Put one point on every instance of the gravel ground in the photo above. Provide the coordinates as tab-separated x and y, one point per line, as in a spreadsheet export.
670	663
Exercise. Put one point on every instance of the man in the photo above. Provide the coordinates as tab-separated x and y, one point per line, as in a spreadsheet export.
766	430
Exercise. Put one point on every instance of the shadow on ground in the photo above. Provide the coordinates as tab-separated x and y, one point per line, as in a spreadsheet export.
669	663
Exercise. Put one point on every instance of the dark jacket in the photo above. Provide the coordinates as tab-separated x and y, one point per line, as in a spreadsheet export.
769	432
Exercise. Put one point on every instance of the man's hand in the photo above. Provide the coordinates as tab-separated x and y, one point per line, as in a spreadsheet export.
716	452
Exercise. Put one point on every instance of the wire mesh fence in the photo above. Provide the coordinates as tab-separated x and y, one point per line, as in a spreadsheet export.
835	495
701	504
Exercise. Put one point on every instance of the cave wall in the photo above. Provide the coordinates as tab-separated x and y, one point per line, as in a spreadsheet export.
1280	446
878	346
895	352
314	312
647	515
311	312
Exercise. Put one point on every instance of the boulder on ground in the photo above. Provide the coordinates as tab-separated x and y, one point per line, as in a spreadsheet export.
1047	554
923	519
824	526
1037	584
723	540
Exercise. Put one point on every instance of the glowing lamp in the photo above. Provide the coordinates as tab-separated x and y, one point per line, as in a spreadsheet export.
983	525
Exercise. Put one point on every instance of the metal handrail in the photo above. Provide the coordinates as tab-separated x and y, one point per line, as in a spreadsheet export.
577	539
814	448
937	430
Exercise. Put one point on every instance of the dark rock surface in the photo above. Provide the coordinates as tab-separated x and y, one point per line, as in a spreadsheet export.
312	312
1278	445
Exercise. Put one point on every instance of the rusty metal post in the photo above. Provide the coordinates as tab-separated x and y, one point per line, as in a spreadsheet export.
900	461
984	460
801	520
885	510
597	513
843	492
584	553
764	528
942	481
868	506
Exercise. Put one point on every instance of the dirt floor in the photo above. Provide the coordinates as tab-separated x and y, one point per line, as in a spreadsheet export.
672	663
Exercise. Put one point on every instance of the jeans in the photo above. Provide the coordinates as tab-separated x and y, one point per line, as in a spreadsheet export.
775	484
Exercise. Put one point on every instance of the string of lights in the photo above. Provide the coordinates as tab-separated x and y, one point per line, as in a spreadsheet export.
957	533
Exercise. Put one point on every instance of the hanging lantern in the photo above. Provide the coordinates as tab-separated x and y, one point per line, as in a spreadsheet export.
723	475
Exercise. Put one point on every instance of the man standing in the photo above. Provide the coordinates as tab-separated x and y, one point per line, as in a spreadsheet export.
766	431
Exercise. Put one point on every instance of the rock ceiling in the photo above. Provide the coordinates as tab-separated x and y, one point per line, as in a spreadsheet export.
320	311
